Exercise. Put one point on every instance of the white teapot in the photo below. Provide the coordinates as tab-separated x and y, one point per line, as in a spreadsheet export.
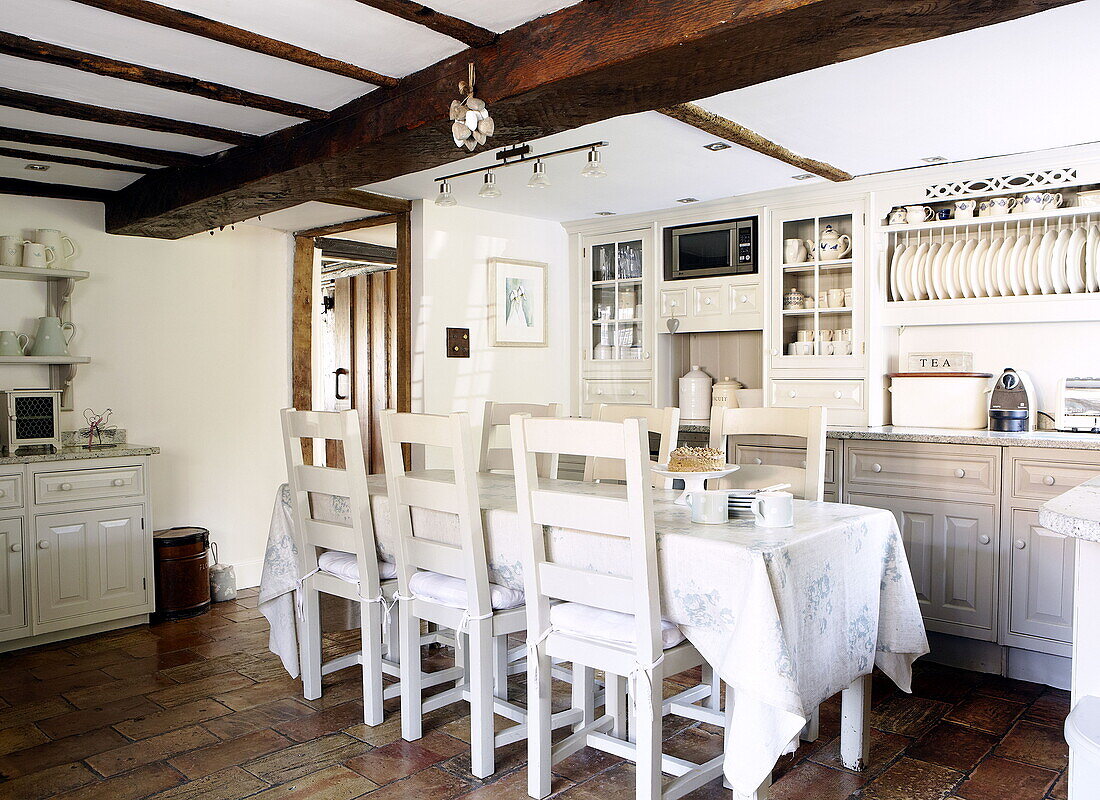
832	245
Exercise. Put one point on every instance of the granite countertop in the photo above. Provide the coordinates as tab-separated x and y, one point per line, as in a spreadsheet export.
74	453
889	433
1075	513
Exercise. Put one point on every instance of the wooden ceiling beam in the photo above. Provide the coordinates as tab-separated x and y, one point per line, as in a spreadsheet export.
465	32
53	158
730	131
167	158
62	191
32	50
157	14
350	225
59	107
369	201
585	63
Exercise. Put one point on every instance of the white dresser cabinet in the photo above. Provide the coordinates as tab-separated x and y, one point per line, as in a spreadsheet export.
77	547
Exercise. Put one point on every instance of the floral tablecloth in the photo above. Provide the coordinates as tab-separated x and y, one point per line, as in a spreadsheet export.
788	617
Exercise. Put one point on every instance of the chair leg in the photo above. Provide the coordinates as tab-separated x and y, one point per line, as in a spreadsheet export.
482	750
539	680
584	694
762	791
411	694
500	667
309	643
811	730
855	724
711	679
646	732
370	616
615	703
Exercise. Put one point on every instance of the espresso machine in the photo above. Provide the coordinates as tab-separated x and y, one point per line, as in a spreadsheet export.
1012	406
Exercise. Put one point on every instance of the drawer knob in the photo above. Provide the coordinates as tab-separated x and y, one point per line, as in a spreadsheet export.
66	487
599	391
43	545
876	468
758	461
838	394
645	354
15	548
983	539
773	351
3	493
803	464
792	393
1048	480
633	392
744	298
1020	544
960	473
706	302
118	482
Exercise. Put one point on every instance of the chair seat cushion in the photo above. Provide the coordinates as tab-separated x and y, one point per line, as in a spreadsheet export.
601	624
344	565
449	591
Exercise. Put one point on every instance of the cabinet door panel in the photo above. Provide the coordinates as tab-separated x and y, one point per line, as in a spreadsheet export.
12	601
964	569
1042	579
90	562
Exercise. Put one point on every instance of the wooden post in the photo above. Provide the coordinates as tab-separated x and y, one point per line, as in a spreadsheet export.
301	332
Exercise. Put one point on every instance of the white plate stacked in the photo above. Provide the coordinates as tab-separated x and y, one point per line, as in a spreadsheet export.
740	500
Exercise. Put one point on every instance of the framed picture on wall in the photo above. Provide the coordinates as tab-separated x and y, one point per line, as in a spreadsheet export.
517	303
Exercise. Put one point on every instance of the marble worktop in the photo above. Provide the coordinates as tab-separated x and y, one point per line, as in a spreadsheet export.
1074	513
124	450
890	433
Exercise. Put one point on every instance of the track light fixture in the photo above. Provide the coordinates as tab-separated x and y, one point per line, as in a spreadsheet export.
489	188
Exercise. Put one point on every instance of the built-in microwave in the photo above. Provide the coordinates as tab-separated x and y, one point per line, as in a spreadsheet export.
727	247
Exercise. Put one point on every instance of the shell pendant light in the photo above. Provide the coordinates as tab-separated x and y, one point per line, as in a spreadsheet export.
471	124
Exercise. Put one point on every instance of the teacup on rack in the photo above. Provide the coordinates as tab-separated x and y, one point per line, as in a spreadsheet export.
1053	200
897	216
915	215
964	209
1032	201
999	206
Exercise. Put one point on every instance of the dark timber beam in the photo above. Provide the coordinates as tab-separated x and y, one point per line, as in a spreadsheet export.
111	116
465	32
60	190
585	63
369	201
149	155
350	225
723	128
22	47
53	158
162	15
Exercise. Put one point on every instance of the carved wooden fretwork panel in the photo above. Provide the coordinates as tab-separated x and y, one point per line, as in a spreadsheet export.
1005	183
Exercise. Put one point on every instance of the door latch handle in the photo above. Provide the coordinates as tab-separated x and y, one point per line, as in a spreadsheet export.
336	387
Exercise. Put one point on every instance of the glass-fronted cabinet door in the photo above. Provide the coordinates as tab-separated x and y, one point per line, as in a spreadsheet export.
616	292
818	286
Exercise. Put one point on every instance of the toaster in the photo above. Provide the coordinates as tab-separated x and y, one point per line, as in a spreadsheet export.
31	419
1078	405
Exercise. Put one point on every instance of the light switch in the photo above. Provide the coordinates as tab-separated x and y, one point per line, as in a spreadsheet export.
458	342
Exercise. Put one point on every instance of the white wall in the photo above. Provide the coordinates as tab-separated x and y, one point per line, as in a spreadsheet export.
190	343
451	248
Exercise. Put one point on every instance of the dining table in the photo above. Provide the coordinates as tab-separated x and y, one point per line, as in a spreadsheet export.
787	617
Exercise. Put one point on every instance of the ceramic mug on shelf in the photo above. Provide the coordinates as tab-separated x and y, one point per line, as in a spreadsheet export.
943	214
58	241
1032	201
794	251
11	251
1001	205
13	344
915	215
822	299
896	217
710	507
823	335
842	348
985	209
805	335
826	348
37	255
964	209
842	335
1052	200
836	298
773	509
805	348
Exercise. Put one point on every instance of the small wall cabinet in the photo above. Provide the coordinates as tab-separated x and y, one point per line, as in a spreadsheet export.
713	304
77	549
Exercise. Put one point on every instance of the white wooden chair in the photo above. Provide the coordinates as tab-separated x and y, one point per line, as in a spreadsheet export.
663	421
808	482
340	560
497	458
599	621
448	584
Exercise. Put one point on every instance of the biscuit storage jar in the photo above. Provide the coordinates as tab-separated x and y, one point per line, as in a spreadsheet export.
695	391
724	393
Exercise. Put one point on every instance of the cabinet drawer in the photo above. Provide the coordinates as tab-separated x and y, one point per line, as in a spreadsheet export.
783	457
88	484
674	302
1042	480
707	301
744	299
796	393
629	392
11	491
971	470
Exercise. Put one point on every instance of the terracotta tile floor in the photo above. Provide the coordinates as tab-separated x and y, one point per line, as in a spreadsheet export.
199	709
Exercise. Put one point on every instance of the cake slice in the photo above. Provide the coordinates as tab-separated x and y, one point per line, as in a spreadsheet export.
696	459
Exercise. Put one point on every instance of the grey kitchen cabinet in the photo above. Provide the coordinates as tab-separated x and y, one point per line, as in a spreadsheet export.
13	605
1041	582
952	551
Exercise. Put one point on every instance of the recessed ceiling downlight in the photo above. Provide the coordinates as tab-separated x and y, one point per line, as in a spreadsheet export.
37	167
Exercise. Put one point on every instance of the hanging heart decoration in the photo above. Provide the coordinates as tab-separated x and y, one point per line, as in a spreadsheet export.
471	124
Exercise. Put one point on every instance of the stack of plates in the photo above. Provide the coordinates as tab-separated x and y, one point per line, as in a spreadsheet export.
739	502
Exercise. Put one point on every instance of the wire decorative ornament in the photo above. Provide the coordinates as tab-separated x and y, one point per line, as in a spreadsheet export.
96	427
471	124
1005	183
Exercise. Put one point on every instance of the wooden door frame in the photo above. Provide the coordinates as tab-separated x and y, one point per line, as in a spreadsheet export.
398	324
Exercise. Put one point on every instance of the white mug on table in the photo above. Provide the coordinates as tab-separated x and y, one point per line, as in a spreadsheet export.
58	241
37	255
773	509
709	507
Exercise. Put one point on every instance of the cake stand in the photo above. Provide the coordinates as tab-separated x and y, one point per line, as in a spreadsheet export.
693	481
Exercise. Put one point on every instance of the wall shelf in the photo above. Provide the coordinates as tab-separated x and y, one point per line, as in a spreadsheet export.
1077	307
41	274
1055	214
45	359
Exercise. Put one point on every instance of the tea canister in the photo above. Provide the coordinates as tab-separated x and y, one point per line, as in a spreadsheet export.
793	300
695	392
724	393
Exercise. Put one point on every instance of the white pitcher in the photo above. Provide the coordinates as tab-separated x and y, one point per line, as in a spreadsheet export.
63	247
49	338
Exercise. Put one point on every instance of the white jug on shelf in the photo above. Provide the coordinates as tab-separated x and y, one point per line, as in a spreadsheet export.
832	245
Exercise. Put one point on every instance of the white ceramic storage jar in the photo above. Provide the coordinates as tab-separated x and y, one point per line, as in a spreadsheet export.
941	399
695	392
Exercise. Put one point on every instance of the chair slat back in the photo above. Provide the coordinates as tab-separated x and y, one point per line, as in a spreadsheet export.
543	505
803	423
350	482
458	497
663	421
498	458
